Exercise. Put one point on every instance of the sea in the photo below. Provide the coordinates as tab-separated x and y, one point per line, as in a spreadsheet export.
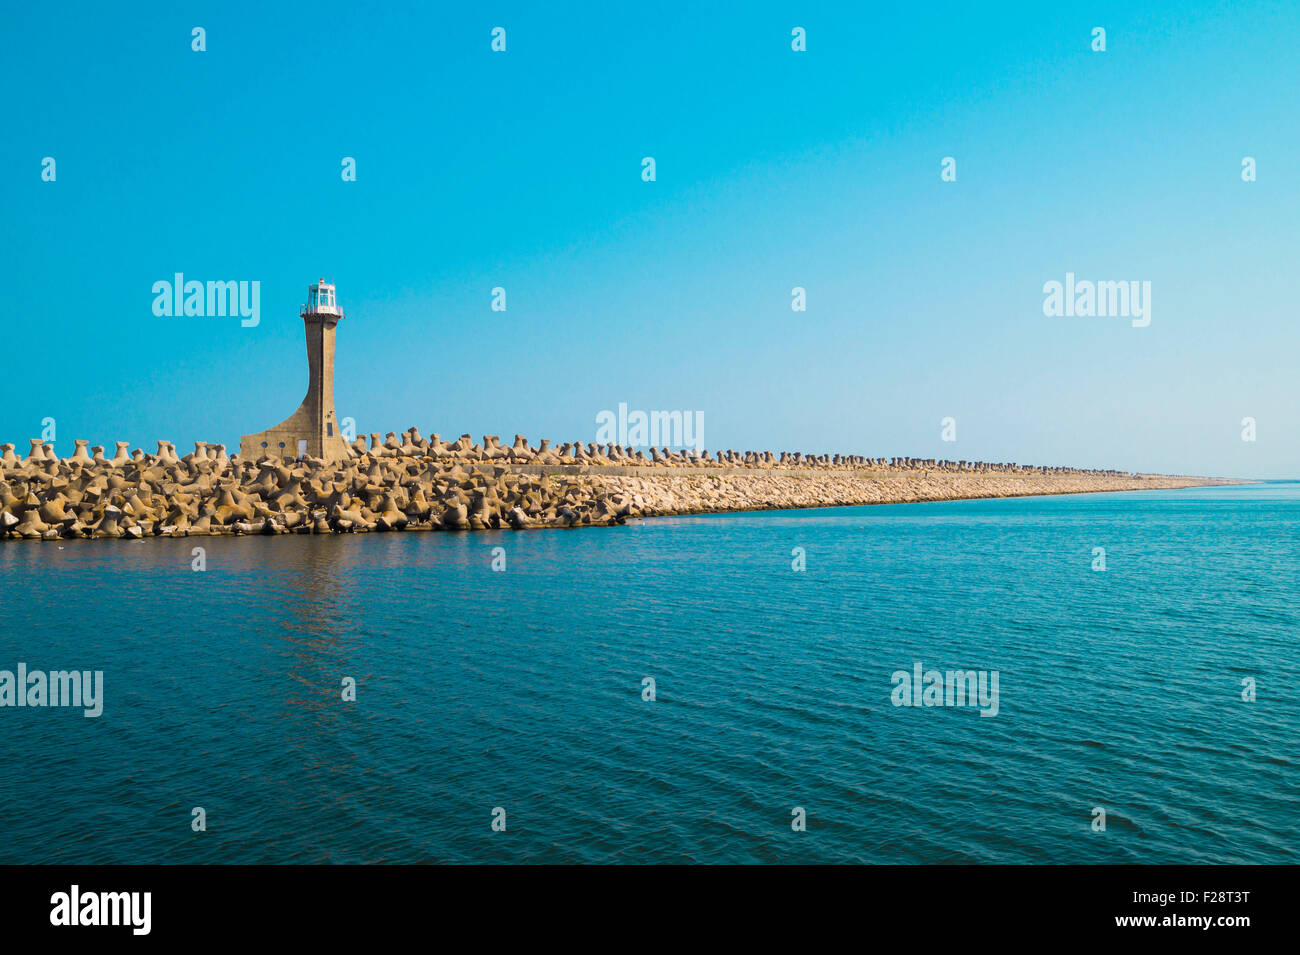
709	689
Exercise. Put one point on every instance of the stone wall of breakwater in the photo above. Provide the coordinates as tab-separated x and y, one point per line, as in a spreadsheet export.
702	493
408	482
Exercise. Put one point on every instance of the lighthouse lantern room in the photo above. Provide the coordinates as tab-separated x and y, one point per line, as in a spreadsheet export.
320	300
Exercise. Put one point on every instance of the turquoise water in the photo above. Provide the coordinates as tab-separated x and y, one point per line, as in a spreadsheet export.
522	689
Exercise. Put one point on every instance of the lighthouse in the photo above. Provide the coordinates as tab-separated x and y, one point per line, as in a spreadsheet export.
314	428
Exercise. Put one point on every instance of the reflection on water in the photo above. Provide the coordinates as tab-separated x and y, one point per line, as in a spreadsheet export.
522	689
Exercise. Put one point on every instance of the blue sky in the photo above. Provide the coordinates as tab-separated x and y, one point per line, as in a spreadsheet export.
775	169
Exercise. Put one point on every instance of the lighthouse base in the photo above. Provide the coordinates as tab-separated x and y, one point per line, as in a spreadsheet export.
297	436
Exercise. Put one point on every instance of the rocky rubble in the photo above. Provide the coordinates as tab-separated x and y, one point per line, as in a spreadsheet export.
407	482
668	494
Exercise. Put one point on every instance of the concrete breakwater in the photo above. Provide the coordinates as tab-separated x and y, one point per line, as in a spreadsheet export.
703	493
408	482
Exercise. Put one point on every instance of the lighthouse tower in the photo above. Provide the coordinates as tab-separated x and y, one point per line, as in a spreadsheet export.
314	428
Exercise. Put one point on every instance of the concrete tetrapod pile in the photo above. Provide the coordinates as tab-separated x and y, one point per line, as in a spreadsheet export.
408	482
